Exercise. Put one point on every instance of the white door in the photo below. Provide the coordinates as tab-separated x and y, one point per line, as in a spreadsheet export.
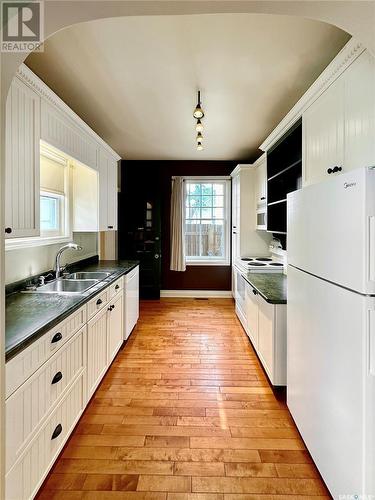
115	326
96	350
323	134
252	314
131	301
22	162
328	375
359	81
331	230
266	324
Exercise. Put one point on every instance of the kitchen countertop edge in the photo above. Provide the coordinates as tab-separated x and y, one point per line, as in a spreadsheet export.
15	349
262	282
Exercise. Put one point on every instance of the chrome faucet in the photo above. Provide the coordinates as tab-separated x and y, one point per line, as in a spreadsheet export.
69	246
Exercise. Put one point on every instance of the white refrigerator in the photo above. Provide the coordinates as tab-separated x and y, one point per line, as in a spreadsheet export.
331	328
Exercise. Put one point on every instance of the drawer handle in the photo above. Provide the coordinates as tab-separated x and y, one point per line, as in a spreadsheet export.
98	302
263	198
56	337
57	378
255	292
110	227
330	171
117	287
57	432
109	308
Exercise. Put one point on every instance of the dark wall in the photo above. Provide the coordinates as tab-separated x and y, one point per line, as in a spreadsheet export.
134	180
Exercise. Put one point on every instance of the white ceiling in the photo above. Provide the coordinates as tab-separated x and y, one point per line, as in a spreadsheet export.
134	80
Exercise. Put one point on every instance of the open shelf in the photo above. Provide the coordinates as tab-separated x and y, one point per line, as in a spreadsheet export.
284	174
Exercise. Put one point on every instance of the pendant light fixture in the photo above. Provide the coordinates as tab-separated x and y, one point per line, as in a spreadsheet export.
198	114
198	111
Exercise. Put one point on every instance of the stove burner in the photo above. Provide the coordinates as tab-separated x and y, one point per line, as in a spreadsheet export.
263	259
257	264
246	259
275	264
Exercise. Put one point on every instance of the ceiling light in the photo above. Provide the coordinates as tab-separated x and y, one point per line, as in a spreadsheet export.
200	146
199	126
198	111
199	137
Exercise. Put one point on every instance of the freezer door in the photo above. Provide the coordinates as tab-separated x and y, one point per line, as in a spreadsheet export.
331	230
330	387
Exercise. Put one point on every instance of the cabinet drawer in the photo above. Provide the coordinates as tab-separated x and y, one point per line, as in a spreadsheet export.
97	303
116	287
28	473
22	366
28	407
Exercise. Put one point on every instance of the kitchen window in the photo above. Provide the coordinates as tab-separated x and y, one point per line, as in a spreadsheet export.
207	216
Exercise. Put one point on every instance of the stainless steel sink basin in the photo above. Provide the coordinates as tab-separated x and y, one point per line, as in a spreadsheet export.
62	286
94	275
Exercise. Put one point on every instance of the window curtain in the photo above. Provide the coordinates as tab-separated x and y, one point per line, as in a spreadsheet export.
178	225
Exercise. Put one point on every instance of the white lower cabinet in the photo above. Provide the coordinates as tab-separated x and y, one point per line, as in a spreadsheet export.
115	326
49	384
266	328
96	351
27	475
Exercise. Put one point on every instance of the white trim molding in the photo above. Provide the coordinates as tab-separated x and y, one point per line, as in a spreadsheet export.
239	167
196	294
337	66
32	80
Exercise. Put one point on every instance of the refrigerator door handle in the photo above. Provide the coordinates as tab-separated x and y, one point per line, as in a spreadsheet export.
371	342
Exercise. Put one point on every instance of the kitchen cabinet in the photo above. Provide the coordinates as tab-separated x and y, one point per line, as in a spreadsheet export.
266	328
22	149
97	357
131	301
115	325
339	127
107	191
261	181
246	240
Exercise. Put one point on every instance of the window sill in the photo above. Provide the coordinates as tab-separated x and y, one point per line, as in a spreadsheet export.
207	263
16	243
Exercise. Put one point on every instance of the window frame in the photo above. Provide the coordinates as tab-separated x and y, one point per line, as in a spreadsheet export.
212	261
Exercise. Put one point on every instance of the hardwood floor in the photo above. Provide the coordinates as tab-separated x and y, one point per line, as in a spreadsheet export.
184	413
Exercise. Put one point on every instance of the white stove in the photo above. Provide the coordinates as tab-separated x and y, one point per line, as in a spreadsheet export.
260	265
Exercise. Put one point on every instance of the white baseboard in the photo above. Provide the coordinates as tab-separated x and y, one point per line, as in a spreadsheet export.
201	294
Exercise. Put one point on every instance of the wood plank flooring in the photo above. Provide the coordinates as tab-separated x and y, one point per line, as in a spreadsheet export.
185	413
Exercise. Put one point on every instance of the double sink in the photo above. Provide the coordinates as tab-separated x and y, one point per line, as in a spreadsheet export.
74	283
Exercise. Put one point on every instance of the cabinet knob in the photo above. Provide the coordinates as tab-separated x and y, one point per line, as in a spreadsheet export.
156	256
263	198
8	230
56	337
57	378
329	171
117	287
98	302
336	169
110	227
57	432
255	292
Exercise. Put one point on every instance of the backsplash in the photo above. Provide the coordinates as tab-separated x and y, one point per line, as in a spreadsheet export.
24	262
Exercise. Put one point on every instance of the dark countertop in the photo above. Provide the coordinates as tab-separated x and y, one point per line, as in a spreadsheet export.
271	286
29	315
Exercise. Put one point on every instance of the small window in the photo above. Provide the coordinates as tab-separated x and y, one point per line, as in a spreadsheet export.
207	222
51	214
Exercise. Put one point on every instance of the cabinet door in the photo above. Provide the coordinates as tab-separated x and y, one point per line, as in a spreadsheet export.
252	315
22	185
96	350
323	134
261	184
115	326
265	336
103	190
359	81
112	195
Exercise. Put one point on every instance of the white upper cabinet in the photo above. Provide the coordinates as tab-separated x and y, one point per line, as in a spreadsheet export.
261	182
61	132
323	134
359	139
339	127
107	191
22	162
